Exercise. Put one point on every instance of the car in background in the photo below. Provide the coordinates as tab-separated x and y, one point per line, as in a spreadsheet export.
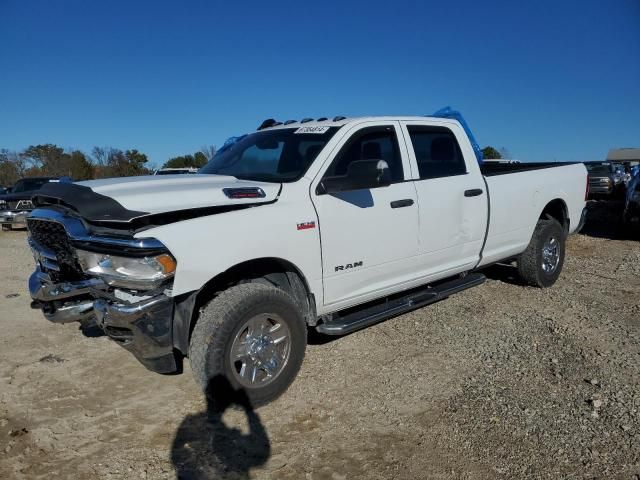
631	214
605	180
176	171
16	205
4	190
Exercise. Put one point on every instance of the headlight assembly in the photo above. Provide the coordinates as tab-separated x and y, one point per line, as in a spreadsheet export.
141	273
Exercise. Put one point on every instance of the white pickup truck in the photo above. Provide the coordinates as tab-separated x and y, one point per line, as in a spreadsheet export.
330	224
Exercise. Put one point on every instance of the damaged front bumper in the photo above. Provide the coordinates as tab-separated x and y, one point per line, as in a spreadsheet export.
142	327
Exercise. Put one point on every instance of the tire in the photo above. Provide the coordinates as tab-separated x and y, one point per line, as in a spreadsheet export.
534	268
223	323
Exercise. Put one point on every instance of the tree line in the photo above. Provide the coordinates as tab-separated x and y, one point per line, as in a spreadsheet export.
54	161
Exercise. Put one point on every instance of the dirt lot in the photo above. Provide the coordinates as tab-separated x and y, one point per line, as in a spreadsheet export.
501	381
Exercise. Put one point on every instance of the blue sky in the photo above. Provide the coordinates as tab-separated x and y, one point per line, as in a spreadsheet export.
545	79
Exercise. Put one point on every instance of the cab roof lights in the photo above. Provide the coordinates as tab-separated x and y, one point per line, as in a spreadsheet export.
270	122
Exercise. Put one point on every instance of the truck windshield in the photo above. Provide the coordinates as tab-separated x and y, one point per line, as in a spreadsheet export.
29	184
281	155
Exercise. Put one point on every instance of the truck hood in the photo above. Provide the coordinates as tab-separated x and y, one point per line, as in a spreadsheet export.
9	197
166	193
153	200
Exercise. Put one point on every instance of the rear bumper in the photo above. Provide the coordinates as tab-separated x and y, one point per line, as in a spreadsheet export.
13	218
143	328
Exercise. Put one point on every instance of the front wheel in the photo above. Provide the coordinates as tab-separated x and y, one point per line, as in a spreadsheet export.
252	335
541	263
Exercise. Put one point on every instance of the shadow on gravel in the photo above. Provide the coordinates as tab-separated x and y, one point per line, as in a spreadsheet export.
91	331
503	272
316	338
206	448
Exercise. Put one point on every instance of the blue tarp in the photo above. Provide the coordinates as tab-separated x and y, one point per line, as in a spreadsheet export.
229	143
448	112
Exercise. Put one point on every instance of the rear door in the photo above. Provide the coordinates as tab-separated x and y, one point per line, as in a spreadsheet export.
452	197
369	236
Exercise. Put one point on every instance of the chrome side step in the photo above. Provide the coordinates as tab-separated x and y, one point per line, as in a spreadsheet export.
396	305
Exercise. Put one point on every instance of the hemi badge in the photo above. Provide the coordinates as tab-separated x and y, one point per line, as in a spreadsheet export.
306	225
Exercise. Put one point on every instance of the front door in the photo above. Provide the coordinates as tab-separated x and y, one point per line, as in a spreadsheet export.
369	236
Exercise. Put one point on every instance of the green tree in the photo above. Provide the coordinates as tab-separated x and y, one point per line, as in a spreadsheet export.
12	167
197	160
200	159
490	153
80	168
179	162
48	158
113	162
137	162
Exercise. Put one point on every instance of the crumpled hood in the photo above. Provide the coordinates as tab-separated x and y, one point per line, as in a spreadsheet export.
135	202
167	193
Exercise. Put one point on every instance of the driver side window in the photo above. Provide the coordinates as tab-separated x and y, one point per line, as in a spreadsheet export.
374	143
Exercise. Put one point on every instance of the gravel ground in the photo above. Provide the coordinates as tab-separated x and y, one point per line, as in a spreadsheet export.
501	381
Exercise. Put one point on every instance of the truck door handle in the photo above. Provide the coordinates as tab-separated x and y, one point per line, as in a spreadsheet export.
407	202
474	192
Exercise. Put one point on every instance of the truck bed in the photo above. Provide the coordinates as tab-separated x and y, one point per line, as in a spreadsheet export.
517	200
490	169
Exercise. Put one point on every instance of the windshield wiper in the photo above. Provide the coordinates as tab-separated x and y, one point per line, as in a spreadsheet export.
260	177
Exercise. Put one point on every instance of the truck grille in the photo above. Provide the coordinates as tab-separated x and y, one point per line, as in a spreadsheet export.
20	205
52	236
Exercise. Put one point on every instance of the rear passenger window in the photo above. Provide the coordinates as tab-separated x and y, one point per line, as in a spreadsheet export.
437	152
373	143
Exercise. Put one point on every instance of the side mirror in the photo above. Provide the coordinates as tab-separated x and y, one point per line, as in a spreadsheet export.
361	174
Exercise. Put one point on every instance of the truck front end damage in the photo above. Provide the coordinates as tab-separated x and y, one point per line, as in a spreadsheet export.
123	284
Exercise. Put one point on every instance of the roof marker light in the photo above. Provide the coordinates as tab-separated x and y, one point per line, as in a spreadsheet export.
269	122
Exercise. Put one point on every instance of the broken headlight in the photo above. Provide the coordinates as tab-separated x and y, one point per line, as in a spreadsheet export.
138	273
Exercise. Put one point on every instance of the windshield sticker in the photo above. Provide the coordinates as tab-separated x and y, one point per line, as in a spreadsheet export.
310	129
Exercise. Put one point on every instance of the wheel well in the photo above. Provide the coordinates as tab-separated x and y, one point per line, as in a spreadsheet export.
274	271
557	209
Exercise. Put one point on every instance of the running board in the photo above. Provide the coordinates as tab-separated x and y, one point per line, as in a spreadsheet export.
343	324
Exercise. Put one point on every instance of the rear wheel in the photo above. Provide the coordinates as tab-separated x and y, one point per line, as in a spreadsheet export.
541	263
254	336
